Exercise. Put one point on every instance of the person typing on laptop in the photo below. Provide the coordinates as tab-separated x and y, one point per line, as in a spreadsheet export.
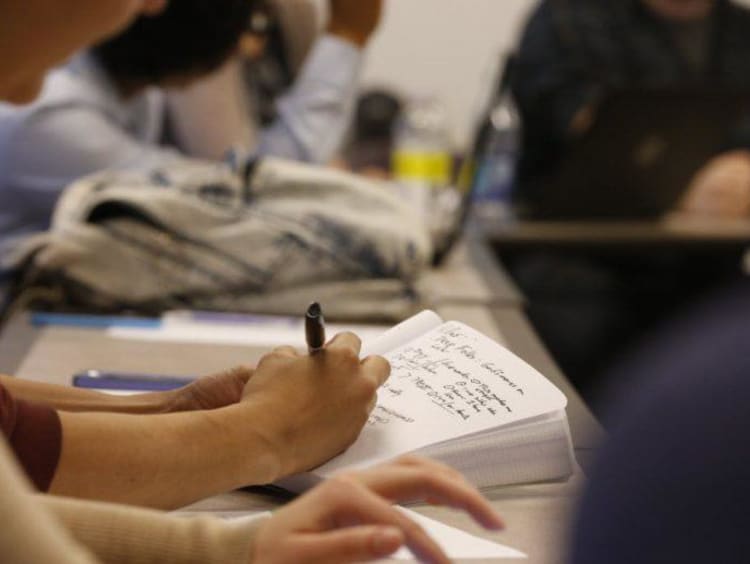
572	53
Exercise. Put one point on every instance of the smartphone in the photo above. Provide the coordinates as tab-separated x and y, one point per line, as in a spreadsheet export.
128	381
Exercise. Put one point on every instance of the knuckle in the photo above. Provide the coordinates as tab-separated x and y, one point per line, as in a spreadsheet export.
410	460
412	529
368	388
349	356
342	487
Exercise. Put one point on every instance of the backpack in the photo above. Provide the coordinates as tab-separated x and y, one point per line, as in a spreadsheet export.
203	236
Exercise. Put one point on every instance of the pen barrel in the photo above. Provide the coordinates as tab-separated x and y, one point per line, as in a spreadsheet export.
315	333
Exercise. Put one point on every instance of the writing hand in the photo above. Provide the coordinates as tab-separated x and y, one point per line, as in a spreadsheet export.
311	408
350	518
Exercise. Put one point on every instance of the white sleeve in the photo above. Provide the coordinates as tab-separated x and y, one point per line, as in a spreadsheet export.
315	113
54	147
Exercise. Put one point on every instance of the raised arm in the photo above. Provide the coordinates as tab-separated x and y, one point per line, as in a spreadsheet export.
315	114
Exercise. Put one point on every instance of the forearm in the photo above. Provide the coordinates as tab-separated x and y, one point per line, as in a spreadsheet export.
66	398
163	461
117	533
315	113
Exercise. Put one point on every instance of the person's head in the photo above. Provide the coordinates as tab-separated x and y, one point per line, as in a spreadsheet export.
36	35
188	40
681	10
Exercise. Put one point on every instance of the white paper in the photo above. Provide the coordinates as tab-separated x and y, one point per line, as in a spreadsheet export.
402	333
449	383
456	543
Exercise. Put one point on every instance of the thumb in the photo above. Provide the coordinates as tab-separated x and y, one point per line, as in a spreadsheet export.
353	544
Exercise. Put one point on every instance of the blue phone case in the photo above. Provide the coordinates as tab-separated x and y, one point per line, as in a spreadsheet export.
93	379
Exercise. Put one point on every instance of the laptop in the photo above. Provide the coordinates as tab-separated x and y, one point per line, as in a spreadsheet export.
640	154
465	182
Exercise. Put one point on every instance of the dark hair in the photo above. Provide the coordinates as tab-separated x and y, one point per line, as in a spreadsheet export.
191	37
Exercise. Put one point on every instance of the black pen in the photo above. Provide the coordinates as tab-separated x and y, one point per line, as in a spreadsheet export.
315	331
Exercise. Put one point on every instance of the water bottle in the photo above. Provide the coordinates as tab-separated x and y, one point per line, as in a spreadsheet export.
498	150
422	158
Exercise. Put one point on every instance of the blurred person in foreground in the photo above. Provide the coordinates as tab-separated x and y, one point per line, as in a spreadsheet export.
671	482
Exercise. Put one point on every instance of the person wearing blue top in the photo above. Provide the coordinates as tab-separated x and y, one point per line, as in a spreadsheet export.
291	91
106	108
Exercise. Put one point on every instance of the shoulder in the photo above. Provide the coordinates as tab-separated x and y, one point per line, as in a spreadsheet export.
79	84
574	20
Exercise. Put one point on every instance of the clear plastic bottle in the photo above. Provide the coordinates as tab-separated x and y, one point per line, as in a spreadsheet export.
498	150
423	158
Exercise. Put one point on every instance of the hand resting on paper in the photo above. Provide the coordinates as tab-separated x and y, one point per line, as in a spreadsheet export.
349	518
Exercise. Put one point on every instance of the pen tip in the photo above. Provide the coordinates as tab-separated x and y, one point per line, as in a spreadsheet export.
314	310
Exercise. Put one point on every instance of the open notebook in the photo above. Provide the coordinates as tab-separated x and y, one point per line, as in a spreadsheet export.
457	396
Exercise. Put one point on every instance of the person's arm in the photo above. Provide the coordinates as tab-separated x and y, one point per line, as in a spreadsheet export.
552	87
315	114
347	519
28	532
55	146
550	81
124	534
297	412
209	392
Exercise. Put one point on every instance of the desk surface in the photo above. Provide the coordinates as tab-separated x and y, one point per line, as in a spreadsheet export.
469	275
673	229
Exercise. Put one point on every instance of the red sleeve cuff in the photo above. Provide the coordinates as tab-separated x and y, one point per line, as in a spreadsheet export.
36	438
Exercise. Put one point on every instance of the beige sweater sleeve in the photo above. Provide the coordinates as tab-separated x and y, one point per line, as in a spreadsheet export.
116	533
28	533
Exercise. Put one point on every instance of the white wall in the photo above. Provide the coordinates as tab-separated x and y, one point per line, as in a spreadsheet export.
444	48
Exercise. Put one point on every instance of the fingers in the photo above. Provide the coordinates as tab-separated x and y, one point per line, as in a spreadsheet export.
412	478
345	341
287	351
356	544
377	369
360	505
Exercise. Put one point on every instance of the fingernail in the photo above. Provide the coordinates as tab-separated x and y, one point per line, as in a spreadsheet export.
387	541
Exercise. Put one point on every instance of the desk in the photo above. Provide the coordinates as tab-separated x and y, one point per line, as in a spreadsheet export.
537	515
671	231
469	275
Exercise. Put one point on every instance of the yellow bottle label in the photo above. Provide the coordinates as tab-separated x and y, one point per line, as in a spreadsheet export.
432	167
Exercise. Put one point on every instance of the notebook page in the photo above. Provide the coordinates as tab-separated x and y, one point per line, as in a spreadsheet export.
450	382
402	333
